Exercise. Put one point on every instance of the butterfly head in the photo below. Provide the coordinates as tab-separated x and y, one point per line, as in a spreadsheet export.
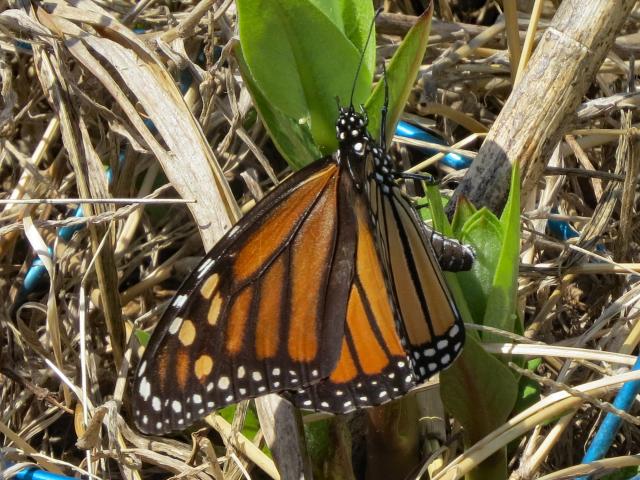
351	130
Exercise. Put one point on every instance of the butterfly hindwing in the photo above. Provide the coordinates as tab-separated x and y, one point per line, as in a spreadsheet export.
373	367
258	314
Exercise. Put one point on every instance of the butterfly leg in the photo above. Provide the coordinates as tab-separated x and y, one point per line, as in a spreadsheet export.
421	177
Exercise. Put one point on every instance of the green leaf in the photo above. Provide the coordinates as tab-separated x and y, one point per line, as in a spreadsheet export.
329	447
251	423
483	233
293	140
401	74
625	473
436	210
228	412
528	389
354	19
501	303
301	59
318	438
142	336
479	391
464	210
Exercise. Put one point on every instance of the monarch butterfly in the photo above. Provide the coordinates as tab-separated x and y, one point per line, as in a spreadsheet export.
328	289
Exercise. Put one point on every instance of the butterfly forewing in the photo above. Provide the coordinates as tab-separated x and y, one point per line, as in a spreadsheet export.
257	315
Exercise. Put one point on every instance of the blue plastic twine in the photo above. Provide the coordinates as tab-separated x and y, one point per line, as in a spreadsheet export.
450	159
611	424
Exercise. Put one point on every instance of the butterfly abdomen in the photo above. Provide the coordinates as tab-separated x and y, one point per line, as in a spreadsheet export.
452	255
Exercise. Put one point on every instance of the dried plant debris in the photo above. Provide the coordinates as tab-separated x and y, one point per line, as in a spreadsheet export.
150	105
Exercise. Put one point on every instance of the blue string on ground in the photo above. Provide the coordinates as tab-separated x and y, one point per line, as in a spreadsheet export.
33	473
605	435
451	159
36	275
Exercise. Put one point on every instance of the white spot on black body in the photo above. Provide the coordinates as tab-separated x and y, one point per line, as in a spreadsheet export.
145	389
204	268
175	325
454	331
180	300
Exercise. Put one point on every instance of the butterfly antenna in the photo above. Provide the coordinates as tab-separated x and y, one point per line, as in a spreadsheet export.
364	50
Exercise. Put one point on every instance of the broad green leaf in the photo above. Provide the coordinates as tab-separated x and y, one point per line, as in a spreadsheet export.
528	389
478	389
401	74
501	303
353	19
357	18
301	60
293	140
480	392
483	233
